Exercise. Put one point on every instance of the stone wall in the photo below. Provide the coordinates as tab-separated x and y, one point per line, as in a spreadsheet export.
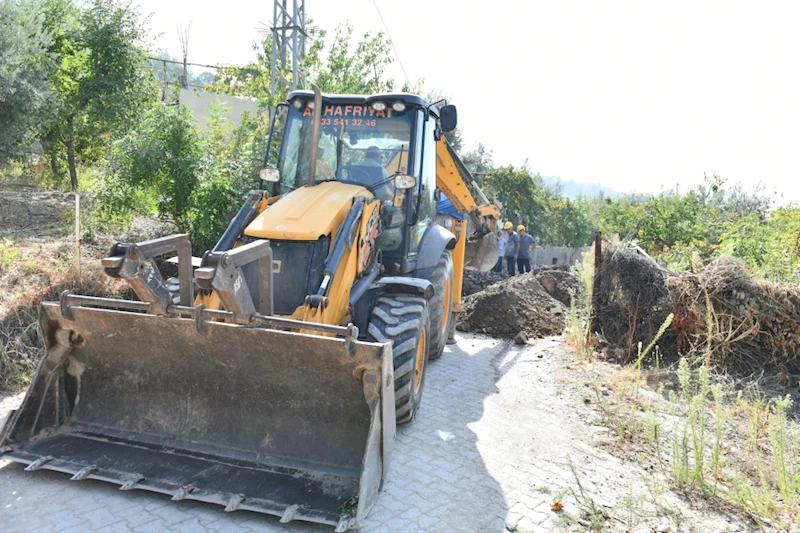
557	255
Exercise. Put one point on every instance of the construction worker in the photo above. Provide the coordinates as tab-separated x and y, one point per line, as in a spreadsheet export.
512	247
526	246
372	159
502	240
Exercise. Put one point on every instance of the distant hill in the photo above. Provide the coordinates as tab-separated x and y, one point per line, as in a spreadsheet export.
572	189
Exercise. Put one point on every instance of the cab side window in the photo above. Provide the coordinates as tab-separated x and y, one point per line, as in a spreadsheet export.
425	187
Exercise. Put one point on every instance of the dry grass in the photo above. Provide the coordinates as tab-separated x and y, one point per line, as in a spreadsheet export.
39	272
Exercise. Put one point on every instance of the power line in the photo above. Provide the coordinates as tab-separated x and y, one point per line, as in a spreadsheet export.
392	41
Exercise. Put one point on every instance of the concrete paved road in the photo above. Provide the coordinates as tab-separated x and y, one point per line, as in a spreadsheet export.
434	483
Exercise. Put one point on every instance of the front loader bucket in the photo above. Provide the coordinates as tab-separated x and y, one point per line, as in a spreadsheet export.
482	252
295	425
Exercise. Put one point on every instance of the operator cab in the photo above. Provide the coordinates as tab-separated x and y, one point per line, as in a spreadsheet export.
384	143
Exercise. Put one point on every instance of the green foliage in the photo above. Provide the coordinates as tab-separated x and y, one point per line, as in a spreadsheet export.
552	219
580	309
25	96
99	83
8	254
347	67
514	190
568	222
157	168
686	231
770	247
172	169
354	70
478	161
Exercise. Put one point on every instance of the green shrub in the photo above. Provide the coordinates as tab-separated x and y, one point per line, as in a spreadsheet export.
172	169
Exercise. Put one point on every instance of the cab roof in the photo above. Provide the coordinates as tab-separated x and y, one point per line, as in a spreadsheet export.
364	99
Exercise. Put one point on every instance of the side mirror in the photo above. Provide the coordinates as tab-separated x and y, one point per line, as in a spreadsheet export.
269	174
403	182
448	117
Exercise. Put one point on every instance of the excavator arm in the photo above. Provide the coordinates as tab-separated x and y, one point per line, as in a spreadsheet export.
451	178
476	250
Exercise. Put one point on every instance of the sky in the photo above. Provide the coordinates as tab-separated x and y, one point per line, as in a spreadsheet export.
636	96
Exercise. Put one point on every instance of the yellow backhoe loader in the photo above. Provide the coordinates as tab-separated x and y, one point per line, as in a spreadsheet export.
271	375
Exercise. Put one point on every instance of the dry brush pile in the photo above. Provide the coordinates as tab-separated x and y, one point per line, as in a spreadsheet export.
720	313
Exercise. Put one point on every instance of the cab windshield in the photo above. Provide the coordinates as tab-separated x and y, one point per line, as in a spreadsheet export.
357	145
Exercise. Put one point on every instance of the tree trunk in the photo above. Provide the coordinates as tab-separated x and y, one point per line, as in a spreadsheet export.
52	155
68	141
54	165
73	172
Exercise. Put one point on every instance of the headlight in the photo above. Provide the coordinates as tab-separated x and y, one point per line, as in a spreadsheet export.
269	174
399	107
297	104
403	182
379	106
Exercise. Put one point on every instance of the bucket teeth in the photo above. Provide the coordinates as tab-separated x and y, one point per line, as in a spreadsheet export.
131	483
288	514
345	523
234	503
83	473
182	493
38	463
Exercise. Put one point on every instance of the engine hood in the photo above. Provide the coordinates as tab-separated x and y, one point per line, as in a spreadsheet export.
307	213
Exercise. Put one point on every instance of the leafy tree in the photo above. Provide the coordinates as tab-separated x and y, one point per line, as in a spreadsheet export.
100	86
568	222
514	190
353	70
157	169
171	168
25	96
478	161
347	67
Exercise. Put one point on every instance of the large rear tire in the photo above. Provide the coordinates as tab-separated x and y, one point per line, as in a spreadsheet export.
441	305
403	320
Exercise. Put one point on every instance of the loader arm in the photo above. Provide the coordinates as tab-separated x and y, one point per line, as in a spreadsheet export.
451	178
477	251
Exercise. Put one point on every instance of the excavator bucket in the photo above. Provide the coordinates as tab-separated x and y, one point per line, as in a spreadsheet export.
197	407
482	252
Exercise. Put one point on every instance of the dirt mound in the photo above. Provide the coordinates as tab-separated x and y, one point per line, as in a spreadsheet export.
505	309
556	280
478	281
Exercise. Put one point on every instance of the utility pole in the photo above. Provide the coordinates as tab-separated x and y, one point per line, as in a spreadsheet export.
288	45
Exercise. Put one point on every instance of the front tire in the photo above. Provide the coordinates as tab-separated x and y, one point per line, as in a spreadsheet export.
441	305
403	321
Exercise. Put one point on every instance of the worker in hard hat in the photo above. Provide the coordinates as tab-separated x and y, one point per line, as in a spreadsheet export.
526	246
512	248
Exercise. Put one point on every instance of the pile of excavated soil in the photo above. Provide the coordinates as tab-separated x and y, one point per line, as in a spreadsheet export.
477	281
518	305
556	280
